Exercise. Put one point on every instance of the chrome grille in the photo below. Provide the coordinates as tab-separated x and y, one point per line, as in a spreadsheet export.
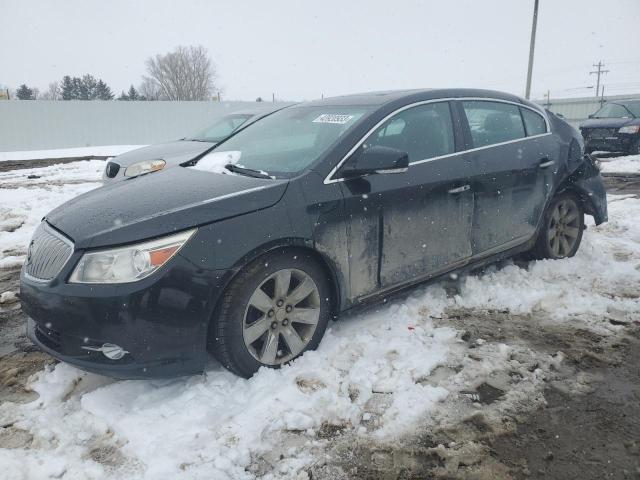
48	252
600	133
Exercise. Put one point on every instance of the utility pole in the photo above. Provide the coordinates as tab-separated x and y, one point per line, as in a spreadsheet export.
598	72
548	96
532	47
602	96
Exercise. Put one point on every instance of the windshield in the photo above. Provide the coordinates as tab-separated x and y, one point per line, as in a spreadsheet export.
613	110
291	139
221	129
633	107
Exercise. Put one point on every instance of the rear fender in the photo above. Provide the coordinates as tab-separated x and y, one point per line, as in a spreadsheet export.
587	184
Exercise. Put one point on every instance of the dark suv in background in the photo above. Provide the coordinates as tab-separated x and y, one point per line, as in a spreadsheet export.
614	128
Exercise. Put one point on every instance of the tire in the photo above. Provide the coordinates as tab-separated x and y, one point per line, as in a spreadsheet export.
635	148
561	229
254	303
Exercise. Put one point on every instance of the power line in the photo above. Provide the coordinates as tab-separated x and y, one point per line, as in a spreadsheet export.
598	72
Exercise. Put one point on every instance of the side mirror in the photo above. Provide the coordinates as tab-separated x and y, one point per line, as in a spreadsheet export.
591	115
376	159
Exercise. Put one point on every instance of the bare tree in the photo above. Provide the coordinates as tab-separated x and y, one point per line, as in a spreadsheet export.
187	73
52	93
150	89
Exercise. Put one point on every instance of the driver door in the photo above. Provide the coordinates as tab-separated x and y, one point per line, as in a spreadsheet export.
405	227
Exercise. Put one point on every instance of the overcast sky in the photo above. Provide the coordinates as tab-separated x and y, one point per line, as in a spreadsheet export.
303	49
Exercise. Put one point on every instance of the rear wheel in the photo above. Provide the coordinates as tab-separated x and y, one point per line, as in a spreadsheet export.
275	309
561	231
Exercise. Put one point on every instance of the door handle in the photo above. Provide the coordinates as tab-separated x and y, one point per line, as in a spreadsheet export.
461	189
544	163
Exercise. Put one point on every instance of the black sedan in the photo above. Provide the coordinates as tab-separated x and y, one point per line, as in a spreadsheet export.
250	251
614	128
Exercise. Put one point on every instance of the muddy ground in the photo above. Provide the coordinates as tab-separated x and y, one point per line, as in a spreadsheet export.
586	425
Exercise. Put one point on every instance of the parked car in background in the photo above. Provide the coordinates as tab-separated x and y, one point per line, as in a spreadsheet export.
170	154
614	128
323	206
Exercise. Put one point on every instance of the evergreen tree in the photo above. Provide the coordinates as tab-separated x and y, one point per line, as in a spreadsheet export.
82	91
68	91
25	93
123	96
103	92
133	93
89	85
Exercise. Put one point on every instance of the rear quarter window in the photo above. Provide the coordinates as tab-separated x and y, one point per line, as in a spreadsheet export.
534	123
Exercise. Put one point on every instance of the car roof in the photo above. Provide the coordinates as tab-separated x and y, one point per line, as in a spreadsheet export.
383	97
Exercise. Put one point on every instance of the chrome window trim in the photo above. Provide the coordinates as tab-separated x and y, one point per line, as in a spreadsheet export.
329	178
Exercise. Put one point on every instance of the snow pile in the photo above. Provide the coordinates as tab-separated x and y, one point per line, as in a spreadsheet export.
24	201
215	161
104	151
212	426
626	164
605	274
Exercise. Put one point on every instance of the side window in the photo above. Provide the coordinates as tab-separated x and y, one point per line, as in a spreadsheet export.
493	122
425	131
533	122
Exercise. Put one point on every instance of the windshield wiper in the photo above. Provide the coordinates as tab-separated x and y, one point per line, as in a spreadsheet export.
249	172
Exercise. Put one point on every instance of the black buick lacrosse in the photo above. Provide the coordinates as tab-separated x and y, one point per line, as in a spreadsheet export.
247	250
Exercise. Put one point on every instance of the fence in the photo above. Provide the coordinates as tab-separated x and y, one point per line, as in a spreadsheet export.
39	124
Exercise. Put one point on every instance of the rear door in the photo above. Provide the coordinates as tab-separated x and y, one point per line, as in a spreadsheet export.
513	159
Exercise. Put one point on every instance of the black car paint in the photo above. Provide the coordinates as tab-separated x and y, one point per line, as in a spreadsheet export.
602	134
374	234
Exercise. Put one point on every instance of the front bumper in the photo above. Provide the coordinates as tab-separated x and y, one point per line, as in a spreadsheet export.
618	143
161	321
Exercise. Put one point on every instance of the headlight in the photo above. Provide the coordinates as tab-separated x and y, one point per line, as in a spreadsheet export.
128	264
146	166
630	129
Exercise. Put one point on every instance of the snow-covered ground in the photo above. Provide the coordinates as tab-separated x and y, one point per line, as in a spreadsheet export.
626	164
219	426
103	151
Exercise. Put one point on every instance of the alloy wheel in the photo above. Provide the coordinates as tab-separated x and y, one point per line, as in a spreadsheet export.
564	228
281	316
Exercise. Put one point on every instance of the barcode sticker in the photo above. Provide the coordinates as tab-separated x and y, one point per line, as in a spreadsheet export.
333	118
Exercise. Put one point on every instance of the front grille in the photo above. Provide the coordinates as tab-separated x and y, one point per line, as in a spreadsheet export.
48	337
601	133
112	169
48	252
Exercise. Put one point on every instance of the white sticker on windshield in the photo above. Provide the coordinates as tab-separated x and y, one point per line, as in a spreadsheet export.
333	118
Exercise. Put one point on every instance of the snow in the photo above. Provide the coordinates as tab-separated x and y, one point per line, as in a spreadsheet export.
215	425
625	164
24	201
215	161
99	151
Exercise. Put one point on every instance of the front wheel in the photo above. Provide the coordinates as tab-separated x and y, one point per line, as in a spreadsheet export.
561	231
275	309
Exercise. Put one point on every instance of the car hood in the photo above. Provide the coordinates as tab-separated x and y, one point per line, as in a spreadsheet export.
174	153
154	205
609	122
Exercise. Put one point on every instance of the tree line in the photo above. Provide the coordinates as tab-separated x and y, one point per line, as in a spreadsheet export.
186	73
